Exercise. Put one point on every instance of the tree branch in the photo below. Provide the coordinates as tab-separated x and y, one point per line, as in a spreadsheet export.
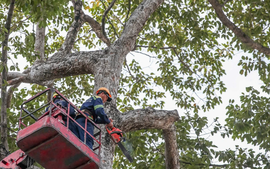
104	16
13	75
115	32
74	28
135	78
137	20
16	80
143	46
224	3
174	49
171	149
40	42
3	128
62	64
148	118
10	94
59	66
244	38
15	25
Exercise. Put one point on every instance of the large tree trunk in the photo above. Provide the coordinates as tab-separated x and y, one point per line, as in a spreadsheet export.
108	70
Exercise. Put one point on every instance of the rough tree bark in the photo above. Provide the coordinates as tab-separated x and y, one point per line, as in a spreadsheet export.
171	147
4	78
40	42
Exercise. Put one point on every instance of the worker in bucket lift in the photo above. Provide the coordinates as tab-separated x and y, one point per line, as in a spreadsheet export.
93	108
58	100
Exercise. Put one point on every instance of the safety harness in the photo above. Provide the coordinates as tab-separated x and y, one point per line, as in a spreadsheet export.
87	113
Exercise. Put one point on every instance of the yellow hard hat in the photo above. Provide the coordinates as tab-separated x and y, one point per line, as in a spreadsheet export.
56	96
106	91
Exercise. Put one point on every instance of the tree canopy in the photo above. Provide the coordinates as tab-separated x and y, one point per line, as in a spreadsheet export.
78	46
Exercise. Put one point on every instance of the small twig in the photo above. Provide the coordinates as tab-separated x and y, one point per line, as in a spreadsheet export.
144	54
226	1
80	37
130	72
104	16
142	46
174	49
113	28
15	26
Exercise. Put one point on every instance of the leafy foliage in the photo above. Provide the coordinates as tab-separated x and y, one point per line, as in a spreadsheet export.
249	121
188	45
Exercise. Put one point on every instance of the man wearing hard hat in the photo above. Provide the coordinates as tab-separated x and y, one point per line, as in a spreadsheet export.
94	109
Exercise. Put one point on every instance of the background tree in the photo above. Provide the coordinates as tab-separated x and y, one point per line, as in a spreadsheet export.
78	46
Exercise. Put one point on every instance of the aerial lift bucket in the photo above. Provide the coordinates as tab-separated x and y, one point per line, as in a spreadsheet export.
16	160
53	145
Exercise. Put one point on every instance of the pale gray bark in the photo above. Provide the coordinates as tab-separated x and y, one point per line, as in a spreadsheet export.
148	118
40	42
10	93
60	65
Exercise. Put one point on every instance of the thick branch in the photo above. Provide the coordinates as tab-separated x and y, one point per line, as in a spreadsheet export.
13	75
244	38
136	23
58	66
148	118
171	150
74	28
16	80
